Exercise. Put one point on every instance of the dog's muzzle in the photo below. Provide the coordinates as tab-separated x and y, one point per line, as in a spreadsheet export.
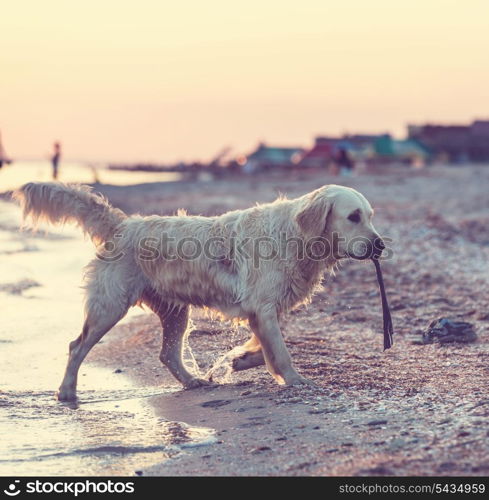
368	250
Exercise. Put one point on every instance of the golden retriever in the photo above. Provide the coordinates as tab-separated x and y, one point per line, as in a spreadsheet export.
254	264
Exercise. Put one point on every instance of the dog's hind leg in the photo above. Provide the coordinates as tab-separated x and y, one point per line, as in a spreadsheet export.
174	330
97	324
174	321
105	306
250	355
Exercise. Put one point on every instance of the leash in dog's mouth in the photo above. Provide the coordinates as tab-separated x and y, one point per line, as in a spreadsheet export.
388	328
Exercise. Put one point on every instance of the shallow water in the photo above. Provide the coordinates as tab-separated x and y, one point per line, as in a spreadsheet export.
113	430
18	173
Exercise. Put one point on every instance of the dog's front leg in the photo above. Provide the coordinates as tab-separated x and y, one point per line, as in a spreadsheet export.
279	363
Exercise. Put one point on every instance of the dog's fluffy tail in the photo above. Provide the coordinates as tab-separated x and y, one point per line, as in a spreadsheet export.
59	203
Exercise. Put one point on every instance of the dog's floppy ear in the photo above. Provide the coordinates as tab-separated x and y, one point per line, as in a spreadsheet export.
314	211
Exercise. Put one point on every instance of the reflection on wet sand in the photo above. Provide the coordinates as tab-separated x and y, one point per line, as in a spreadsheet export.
110	433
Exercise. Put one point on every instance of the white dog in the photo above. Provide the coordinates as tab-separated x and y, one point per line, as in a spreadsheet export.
253	264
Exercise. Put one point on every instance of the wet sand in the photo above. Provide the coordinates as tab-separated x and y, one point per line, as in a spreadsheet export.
415	409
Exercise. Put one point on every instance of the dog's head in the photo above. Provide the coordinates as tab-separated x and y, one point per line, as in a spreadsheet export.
343	217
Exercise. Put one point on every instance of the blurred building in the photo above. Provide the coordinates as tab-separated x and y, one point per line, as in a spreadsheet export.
455	143
265	157
479	143
407	151
320	155
325	149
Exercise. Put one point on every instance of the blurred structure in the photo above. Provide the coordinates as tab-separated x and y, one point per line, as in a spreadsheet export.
265	157
320	155
454	143
405	151
424	145
327	150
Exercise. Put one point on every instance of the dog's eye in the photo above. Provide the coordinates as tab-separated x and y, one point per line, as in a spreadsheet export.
354	217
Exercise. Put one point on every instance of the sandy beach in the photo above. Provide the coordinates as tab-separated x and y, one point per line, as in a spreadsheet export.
413	410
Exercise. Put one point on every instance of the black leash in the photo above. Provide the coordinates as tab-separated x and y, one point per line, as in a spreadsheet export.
388	328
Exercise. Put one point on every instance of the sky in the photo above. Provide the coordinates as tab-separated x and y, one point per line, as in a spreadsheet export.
161	81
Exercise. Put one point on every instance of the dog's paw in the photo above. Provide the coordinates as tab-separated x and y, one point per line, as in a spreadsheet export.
240	363
67	396
300	380
198	382
248	360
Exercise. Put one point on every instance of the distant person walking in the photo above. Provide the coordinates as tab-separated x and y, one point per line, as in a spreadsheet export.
55	159
3	154
345	162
